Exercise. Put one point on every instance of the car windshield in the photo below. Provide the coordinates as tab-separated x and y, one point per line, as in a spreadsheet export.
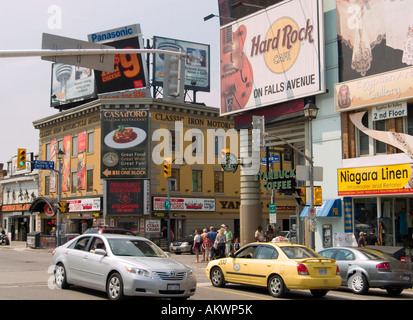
293	252
135	248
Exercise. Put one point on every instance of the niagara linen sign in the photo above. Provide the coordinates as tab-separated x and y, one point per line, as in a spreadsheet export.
388	179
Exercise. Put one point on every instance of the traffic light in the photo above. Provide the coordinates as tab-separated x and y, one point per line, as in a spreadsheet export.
63	206
174	77
167	167
301	196
21	158
318	196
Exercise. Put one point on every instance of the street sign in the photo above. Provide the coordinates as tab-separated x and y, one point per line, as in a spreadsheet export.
167	205
271	159
43	165
273	212
98	61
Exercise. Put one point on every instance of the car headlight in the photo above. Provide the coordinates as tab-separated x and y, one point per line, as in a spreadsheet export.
184	243
139	271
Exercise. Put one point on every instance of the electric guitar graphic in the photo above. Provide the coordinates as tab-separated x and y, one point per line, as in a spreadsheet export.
236	70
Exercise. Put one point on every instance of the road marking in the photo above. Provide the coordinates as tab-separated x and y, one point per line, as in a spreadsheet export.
207	285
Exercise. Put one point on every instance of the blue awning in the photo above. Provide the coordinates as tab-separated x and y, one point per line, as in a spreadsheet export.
329	208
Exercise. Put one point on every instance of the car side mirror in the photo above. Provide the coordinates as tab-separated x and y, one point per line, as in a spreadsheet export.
101	252
231	255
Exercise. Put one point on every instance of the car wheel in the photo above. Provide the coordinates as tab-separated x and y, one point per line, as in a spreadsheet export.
217	277
276	286
114	287
394	291
358	283
319	293
60	277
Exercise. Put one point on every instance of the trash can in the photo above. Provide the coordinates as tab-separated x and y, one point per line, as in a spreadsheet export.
33	239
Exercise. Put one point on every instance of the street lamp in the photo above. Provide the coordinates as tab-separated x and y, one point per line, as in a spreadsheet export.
310	112
60	155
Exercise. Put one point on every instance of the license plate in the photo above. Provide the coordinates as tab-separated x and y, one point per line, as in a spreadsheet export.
406	278
322	271
173	287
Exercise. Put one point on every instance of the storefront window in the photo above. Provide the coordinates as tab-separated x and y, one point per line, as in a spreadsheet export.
365	216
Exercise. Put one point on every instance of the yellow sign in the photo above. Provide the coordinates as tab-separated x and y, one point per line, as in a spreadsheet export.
389	179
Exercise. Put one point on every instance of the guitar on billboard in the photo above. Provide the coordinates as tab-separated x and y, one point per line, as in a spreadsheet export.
236	70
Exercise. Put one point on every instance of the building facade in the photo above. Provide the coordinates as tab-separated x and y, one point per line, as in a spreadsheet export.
202	193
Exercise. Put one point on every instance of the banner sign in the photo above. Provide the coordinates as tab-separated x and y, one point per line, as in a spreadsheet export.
130	69
71	84
197	62
272	56
388	179
185	204
124	144
125	197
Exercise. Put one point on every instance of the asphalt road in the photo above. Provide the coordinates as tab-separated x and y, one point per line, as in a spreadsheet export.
26	274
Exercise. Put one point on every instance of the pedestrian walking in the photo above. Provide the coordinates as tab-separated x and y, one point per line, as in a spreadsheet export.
219	243
204	233
197	244
228	240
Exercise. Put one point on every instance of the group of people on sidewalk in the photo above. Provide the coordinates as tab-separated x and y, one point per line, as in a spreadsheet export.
214	243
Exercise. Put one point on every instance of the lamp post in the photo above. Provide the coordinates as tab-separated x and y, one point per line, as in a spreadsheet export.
310	112
60	155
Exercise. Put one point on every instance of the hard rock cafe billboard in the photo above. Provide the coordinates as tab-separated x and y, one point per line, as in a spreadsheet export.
273	55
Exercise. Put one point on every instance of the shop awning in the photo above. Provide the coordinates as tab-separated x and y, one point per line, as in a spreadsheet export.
329	208
39	203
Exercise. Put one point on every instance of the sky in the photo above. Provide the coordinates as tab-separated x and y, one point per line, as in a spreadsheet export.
25	83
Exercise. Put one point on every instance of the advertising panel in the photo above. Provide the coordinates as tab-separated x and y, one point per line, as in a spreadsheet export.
375	90
387	179
130	69
197	62
71	84
125	196
66	172
185	204
374	37
124	143
272	56
81	160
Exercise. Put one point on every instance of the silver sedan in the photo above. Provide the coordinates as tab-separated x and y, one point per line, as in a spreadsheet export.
362	268
121	265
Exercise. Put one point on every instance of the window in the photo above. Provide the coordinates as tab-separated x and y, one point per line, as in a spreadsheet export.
363	139
266	252
196	181
174	181
344	255
247	252
90	142
73	188
46	185
197	143
218	181
89	181
74	146
47	152
80	244
380	147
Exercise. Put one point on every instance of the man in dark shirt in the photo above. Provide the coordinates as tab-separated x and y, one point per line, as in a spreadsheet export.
212	234
372	238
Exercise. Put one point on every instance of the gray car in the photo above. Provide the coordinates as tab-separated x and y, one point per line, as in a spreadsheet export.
362	268
121	265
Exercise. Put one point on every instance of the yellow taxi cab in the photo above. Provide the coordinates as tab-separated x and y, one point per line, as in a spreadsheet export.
279	266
